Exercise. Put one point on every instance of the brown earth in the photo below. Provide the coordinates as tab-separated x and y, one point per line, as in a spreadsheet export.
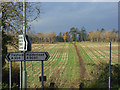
81	63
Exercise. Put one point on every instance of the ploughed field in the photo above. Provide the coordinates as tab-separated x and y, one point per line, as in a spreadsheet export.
64	65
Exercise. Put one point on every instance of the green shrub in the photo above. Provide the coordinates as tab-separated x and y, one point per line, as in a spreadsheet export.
101	76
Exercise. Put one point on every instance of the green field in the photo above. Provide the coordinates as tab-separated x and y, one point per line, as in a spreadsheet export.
63	67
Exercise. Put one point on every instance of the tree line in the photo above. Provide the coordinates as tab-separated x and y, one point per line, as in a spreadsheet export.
76	35
103	36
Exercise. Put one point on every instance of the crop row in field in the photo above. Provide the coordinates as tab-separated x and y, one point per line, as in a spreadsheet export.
99	52
62	67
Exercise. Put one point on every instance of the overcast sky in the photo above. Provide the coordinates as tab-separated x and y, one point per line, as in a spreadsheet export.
61	16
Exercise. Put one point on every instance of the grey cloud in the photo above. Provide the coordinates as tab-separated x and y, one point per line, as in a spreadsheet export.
62	17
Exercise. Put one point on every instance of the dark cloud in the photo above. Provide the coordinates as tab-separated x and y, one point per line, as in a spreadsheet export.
62	16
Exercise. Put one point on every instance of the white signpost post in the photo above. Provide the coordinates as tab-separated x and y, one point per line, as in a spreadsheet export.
23	44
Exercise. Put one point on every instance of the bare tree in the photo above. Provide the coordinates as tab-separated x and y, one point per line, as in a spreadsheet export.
12	12
104	36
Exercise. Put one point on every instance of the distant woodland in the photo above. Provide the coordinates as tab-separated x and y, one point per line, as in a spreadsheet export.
76	35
